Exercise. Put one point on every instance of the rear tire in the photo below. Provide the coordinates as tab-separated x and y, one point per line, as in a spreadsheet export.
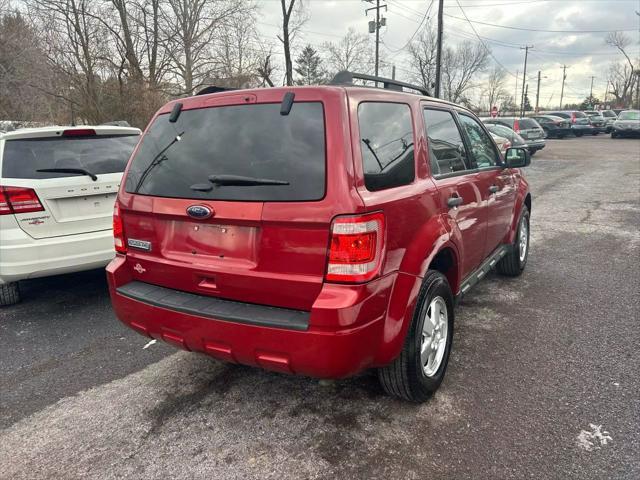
9	294
614	135
595	133
578	134
429	337
513	263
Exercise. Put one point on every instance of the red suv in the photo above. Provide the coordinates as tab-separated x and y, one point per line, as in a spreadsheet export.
316	230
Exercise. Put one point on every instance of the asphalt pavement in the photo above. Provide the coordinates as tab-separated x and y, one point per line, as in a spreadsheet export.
544	379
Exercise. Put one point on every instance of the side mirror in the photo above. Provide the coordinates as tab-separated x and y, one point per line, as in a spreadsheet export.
517	157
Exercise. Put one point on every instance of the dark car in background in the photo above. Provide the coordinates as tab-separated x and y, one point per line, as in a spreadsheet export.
527	128
609	116
598	122
580	123
554	127
627	124
505	132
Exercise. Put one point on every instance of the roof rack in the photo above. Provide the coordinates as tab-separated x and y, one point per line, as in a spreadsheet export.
214	89
346	78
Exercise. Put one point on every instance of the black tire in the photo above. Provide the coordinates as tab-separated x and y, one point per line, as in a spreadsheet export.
614	135
560	137
405	377
532	152
511	265
9	294
578	134
594	133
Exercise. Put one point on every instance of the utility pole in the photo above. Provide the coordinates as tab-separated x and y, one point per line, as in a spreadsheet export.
393	72
591	92
524	76
515	93
538	91
439	48
374	26
564	77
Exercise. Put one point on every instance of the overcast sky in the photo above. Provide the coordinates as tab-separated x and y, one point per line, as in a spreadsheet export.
585	54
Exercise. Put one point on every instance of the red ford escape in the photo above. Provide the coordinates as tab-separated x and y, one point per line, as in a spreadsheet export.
316	230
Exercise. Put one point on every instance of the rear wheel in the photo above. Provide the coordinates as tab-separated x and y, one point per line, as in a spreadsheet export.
513	263
9	294
419	370
614	135
578	134
594	133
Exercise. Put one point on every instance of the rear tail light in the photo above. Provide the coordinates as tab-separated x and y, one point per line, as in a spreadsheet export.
14	200
118	231
516	126
573	118
356	248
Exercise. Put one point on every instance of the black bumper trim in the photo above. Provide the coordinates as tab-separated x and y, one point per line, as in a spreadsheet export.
216	308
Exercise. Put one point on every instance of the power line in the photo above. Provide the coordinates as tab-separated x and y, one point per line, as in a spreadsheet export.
536	29
488	50
424	17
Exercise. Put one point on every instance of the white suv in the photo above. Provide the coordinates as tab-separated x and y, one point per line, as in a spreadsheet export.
57	190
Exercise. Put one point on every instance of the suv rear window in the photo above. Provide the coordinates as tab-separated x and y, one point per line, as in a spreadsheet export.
527	123
242	140
96	154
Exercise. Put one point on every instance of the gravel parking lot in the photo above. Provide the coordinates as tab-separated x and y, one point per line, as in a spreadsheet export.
543	380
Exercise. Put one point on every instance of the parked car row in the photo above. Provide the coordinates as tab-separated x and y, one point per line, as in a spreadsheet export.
531	132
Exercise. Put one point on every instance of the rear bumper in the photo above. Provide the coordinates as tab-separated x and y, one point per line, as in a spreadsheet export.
343	335
535	145
626	132
23	257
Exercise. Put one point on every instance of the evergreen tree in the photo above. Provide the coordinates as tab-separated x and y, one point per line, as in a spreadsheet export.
309	67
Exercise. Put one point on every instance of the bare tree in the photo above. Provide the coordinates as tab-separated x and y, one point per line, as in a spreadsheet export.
459	66
494	88
23	62
622	74
238	54
352	52
266	70
293	17
192	26
78	48
422	52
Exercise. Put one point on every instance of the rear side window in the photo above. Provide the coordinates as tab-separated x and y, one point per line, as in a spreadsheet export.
445	142
561	114
386	142
250	141
579	115
97	154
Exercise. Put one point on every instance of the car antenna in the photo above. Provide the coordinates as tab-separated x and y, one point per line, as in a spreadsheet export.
287	103
175	113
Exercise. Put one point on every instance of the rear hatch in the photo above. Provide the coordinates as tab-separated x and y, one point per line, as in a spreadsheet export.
233	200
529	129
45	170
579	118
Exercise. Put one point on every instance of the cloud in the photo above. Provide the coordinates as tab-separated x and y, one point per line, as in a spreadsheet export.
585	54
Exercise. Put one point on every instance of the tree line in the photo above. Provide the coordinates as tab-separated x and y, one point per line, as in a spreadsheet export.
93	61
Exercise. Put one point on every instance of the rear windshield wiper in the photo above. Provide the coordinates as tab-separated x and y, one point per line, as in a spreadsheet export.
241	181
156	161
79	171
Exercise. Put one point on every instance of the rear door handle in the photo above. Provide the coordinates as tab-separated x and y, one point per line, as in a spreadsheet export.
494	189
454	202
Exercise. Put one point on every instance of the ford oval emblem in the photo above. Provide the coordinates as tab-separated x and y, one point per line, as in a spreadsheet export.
201	212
